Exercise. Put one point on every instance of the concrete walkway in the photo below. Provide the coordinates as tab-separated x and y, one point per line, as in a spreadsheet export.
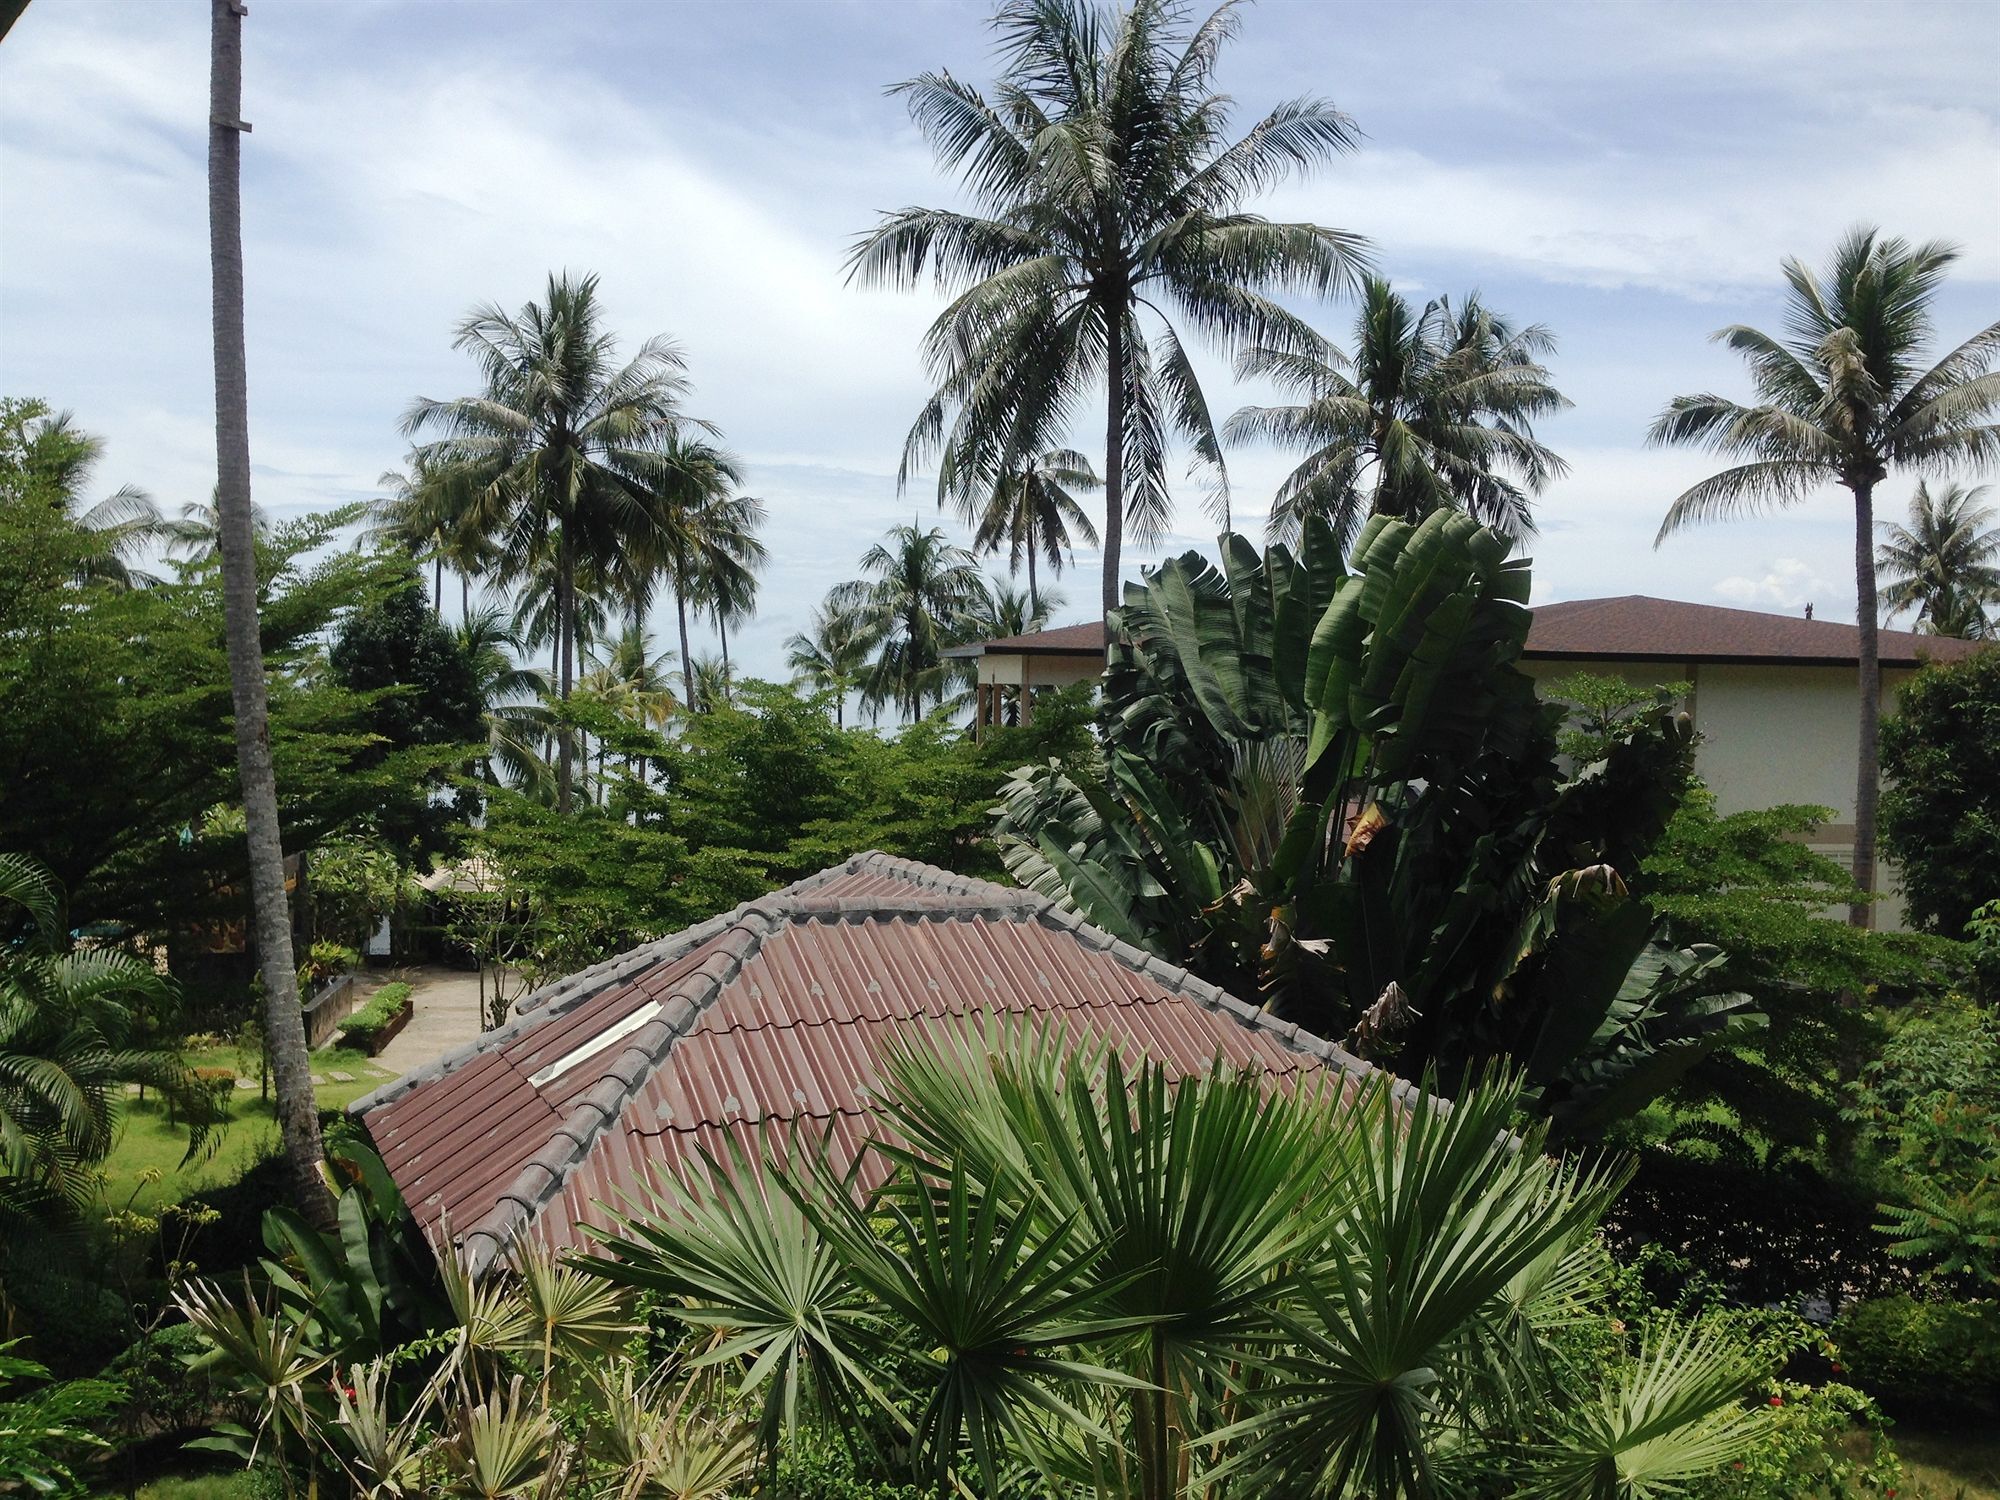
446	1015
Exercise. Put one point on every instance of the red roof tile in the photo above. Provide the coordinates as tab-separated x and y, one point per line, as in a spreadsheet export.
775	1015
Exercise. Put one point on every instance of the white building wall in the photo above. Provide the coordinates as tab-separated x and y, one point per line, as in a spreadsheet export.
1770	735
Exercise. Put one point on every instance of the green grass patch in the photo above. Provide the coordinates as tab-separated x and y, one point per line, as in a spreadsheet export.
147	1167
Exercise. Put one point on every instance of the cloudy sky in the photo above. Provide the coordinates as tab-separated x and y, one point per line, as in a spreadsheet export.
1628	174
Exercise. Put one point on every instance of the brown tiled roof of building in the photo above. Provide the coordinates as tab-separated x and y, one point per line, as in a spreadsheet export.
1064	640
775	1013
1634	627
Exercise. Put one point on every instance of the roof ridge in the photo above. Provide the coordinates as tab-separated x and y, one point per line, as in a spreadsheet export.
541	1179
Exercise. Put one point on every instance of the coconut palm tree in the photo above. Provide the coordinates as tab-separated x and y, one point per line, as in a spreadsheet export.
197	533
284	1023
1847	397
1107	199
72	1034
1435	407
571	456
831	656
914	602
727	563
1945	564
1030	511
61	455
428	514
515	699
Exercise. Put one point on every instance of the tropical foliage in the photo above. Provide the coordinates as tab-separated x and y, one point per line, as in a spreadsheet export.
1338	789
915	601
1941	810
1107	194
1433	409
1091	1281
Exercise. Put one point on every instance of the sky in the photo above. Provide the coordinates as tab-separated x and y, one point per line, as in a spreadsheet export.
1629	175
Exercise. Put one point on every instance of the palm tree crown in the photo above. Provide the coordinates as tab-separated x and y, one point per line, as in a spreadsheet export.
573	458
1107	199
1846	397
1434	408
913	603
1031	513
1945	564
831	656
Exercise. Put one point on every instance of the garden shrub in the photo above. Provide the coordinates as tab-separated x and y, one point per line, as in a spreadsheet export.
1937	1358
1801	1453
830	1473
367	1029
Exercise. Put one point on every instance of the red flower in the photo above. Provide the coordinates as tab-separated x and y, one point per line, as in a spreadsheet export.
1777	1400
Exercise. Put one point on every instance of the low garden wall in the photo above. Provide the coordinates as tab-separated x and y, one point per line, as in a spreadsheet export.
329	1008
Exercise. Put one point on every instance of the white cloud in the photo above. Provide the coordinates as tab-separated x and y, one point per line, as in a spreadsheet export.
1787	583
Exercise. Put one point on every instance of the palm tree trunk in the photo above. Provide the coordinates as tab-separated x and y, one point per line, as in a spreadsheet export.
437	587
1114	452
565	655
284	1023
687	661
464	597
1868	770
1034	594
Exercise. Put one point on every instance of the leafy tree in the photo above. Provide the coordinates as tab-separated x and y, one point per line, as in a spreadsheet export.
576	463
914	603
1107	194
1030	511
284	1026
1434	408
1945	564
1847	399
1340	791
421	691
1941	812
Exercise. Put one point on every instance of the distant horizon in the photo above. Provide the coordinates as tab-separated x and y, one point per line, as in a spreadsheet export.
1628	176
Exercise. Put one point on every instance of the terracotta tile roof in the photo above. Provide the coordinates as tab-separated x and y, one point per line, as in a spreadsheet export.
775	1013
1634	627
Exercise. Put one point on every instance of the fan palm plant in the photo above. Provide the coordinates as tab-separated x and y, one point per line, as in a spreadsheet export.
1108	203
73	1032
1030	512
831	656
1079	1279
1434	408
1944	565
572	458
915	602
1847	397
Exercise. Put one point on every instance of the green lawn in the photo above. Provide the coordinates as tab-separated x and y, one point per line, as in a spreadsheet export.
1948	1465
147	1143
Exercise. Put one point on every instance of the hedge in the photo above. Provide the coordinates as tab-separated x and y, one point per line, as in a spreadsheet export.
370	1027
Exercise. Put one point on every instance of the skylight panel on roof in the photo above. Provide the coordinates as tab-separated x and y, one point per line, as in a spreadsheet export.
616	1032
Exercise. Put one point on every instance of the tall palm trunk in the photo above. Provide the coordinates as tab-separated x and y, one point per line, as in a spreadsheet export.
566	659
722	628
1114	452
1034	593
284	1023
464	597
1867	771
681	612
437	588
